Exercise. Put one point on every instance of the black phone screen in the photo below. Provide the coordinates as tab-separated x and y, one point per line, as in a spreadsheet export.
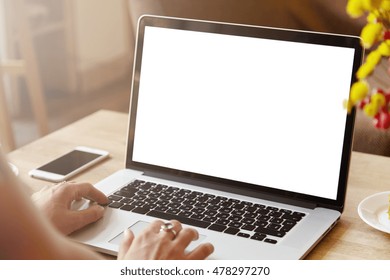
69	162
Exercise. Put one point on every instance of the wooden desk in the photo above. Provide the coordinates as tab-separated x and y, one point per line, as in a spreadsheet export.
350	239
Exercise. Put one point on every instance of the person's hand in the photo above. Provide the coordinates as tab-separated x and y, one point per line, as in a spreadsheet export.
56	201
153	244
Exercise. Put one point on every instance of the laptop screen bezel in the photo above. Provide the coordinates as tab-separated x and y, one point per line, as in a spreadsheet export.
258	32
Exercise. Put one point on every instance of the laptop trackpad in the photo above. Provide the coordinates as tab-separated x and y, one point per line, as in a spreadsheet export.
139	226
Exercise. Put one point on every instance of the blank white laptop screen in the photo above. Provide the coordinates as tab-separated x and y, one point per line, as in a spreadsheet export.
264	112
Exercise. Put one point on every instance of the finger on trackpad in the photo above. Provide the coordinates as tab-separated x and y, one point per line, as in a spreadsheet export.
139	226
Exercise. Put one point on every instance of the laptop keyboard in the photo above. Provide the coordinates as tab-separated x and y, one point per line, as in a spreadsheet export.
230	216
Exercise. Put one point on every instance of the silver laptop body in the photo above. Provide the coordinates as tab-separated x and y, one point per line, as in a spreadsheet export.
248	116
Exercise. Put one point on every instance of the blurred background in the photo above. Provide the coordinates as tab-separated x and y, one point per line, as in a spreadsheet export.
64	59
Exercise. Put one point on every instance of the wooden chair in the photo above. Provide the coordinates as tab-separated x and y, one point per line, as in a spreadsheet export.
26	66
7	140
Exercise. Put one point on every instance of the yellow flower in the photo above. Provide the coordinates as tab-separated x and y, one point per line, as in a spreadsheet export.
378	100
385	5
371	109
355	8
365	70
384	48
373	16
376	33
374	57
371	33
370	5
359	91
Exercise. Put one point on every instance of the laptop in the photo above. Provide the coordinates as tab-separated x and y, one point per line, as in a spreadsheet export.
238	131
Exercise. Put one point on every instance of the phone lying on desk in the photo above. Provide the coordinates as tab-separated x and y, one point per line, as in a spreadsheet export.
69	164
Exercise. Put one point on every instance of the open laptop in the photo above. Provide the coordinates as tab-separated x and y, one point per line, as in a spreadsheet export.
238	131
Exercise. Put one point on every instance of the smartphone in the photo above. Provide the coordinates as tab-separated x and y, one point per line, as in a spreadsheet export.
69	164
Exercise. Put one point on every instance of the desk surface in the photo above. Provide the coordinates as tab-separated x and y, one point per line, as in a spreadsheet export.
350	239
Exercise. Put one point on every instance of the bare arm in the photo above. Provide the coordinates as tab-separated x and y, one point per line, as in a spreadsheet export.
25	233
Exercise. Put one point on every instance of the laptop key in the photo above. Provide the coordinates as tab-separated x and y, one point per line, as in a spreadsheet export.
126	200
177	200
223	215
198	210
259	237
138	203
201	205
174	205
225	210
150	205
248	227
226	204
202	199
299	214
174	211
127	207
197	216
238	212
115	204
211	213
185	213
154	195
242	234
235	225
269	240
276	220
248	221
247	203
235	218
157	188
274	226
114	197
210	219
186	207
264	218
166	197
222	222
270	232
144	187
261	224
250	215
216	227
231	230
251	209
189	202
289	223
285	211
141	210
262	212
275	214
138	182
239	206
162	202
295	218
213	207
286	228
161	208
184	220
126	193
